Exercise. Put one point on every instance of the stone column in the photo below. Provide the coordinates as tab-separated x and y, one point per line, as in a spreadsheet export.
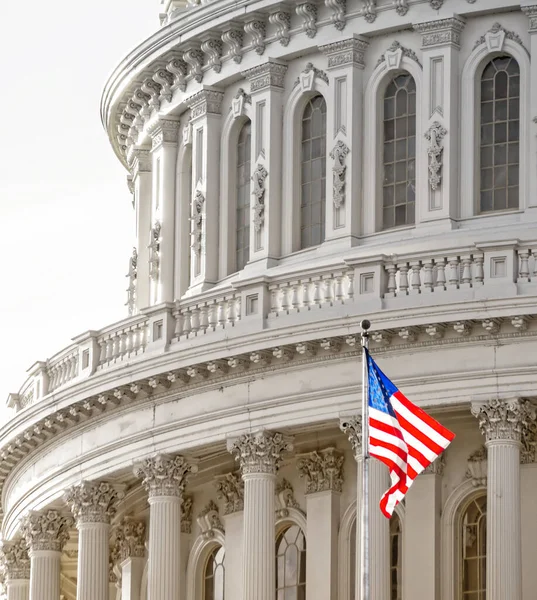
346	63
323	472
504	424
129	547
164	477
140	166
93	504
379	526
164	138
230	488
531	12
266	88
205	107
440	46
259	455
16	566
46	534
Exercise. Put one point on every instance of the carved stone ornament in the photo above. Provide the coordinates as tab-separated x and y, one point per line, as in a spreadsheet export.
441	32
212	47
209	521
282	22
528	452
307	77
370	10
233	39
338	155
129	537
47	530
436	4
352	428
394	54
285	499
132	275
165	79
186	514
193	56
338	8
237	104
504	420
187	134
230	488
205	102
163	131
178	68
434	135
495	37
154	251
15	560
93	501
477	467
346	52
270	74
256	29
164	475
531	13
260	452
401	7
259	177
322	470
437	466
197	221
307	11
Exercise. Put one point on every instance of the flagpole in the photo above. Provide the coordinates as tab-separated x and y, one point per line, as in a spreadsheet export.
364	546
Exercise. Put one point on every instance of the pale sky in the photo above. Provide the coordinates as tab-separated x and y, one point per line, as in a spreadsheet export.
66	221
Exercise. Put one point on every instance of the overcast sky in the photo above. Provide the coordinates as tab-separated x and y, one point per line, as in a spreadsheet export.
66	221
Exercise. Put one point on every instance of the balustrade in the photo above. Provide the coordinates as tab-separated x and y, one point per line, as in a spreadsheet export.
63	370
122	344
197	318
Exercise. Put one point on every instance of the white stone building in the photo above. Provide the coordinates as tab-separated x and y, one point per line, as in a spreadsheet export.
296	167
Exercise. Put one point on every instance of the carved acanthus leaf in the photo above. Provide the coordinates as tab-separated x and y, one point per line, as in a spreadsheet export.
164	475
259	177
212	47
209	521
93	501
260	452
505	420
370	10
322	470
165	80
186	514
48	530
178	68
434	135
129	537
230	488
193	56
15	560
339	17
338	155
401	7
352	427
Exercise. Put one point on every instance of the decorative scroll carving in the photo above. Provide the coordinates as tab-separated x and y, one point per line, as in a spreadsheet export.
401	7
435	134
282	21
233	38
308	13
93	501
285	499
46	531
194	59
322	470
237	104
152	89
260	452
437	466
15	559
164	475
494	38
230	488
346	52
307	77
339	17
393	55
178	68
209	521
257	30
129	538
436	4
165	80
338	155
259	176
197	222
154	251
370	10
352	428
477	467
504	419
132	275
212	47
186	514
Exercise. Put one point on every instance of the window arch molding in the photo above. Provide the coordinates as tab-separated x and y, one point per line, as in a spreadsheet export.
183	187
455	505
228	185
470	82
199	553
294	517
373	136
292	123
344	547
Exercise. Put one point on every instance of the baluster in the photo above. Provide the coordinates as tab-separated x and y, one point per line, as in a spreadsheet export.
403	279
75	366
178	324
221	314
317	292
415	278
128	341
211	315
51	379
273	301
329	292
109	349
392	284
295	303
440	273
524	269
237	309
143	336
479	272
102	352
195	320
306	295
228	312
350	286
122	344
466	278
454	272
285	298
187	322
116	346
534	255
204	318
428	276
338	289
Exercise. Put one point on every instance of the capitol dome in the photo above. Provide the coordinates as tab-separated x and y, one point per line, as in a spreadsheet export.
296	167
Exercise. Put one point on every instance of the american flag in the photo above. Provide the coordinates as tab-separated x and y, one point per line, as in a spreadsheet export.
401	435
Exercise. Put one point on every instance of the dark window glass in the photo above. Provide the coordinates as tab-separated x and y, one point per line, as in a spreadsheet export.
474	550
213	577
291	564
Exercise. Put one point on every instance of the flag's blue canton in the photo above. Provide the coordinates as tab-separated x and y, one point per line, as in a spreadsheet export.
380	388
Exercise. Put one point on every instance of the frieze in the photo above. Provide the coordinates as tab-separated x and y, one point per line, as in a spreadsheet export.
441	32
270	74
205	102
346	52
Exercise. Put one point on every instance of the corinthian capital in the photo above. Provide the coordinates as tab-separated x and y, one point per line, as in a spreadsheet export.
505	420
230	488
352	428
46	530
15	560
93	501
164	475
129	539
322	470
260	452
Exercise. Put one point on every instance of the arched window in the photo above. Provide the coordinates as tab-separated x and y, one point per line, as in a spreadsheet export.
473	538
500	134
313	177
399	160
291	564
242	245
213	576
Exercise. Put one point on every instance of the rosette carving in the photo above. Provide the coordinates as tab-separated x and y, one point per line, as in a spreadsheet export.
230	488
260	452
15	560
506	420
93	501
46	531
164	475
323	471
352	428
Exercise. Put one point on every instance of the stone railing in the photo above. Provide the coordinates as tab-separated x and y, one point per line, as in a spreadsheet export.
353	287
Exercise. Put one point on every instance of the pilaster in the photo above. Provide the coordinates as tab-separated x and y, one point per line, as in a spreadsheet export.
16	567
344	165
530	10
205	107
323	474
46	534
129	541
259	455
266	87
441	40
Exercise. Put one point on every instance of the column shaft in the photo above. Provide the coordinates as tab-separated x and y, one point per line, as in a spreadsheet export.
163	581
379	533
18	589
44	575
93	571
504	555
132	570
